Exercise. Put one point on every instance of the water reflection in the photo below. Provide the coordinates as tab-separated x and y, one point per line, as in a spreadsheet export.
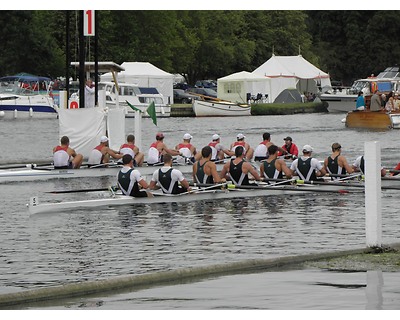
374	290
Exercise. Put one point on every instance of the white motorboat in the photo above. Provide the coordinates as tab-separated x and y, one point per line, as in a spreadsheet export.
137	96
26	96
345	100
220	108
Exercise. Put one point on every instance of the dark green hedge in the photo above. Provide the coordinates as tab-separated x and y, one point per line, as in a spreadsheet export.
288	108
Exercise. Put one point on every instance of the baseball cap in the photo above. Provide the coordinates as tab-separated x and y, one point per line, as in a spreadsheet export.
240	136
215	137
103	139
307	148
160	135
187	136
288	138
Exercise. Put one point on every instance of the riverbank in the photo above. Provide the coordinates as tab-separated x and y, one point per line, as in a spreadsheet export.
358	260
186	110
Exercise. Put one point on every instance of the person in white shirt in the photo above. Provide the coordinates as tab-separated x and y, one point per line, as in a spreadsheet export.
306	167
130	180
168	179
89	94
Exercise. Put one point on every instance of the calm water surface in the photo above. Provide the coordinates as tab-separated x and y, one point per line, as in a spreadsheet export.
66	247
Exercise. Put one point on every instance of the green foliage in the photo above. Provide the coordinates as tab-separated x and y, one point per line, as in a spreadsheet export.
205	44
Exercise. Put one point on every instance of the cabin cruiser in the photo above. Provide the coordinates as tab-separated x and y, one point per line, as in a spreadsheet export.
139	97
345	100
27	96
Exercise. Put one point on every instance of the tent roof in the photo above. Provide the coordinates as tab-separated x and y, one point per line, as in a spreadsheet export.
144	69
290	66
243	75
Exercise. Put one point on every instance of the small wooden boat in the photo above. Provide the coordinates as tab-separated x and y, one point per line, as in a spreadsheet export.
220	108
372	120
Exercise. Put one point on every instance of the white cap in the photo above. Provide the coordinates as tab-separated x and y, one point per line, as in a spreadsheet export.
307	148
215	137
187	136
103	139
240	136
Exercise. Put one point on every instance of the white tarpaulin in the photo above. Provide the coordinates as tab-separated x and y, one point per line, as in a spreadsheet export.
84	128
116	127
144	74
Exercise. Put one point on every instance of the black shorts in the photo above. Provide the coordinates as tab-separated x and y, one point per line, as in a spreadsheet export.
140	194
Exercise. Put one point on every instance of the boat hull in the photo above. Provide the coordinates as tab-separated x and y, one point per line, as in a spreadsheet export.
368	120
219	109
339	103
42	174
35	207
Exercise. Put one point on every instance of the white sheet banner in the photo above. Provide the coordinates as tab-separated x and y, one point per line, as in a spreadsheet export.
84	128
116	127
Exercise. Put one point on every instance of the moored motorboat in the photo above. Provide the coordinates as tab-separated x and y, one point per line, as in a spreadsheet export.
26	96
344	100
220	108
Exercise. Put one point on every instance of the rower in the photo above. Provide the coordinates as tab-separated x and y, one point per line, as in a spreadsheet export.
218	150
274	168
292	152
307	167
336	163
359	166
130	148
100	155
248	151
168	179
204	170
186	149
238	169
158	150
65	157
261	152
130	180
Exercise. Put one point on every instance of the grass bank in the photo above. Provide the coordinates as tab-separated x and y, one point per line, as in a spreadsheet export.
288	108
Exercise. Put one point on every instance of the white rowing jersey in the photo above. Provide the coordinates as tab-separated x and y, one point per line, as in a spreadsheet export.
61	158
96	157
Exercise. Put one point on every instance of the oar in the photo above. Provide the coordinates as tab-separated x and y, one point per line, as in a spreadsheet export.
78	190
101	165
349	177
195	191
21	166
277	181
232	187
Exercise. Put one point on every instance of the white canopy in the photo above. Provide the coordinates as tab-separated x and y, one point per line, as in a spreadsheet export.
235	87
144	74
296	72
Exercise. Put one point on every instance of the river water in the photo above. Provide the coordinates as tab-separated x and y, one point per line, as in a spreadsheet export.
67	247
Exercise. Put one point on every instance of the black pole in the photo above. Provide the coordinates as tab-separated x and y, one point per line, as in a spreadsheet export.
81	62
96	58
67	53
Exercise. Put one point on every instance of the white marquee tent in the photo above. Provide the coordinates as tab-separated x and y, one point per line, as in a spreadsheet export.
145	74
235	87
292	72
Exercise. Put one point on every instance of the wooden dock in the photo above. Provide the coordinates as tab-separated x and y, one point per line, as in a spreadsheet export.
182	110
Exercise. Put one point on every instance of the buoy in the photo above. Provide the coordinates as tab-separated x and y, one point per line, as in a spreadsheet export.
31	112
15	114
2	114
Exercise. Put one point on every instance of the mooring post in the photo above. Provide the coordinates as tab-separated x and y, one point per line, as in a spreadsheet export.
373	216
